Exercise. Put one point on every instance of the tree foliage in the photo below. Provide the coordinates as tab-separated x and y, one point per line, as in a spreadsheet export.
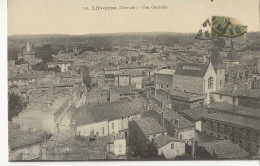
15	105
41	66
45	53
12	54
20	61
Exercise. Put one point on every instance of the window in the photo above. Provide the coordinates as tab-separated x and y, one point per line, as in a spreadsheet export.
103	130
172	146
220	82
113	125
225	137
210	83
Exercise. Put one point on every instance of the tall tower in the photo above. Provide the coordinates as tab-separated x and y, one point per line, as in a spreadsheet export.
232	54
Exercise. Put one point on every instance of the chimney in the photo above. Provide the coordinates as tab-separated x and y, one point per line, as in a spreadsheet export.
162	119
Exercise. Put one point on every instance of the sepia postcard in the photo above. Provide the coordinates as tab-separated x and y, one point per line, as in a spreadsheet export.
133	80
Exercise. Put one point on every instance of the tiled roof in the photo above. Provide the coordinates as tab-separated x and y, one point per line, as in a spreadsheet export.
191	69
236	109
150	126
200	113
164	140
170	115
254	93
225	149
92	113
128	89
18	138
184	95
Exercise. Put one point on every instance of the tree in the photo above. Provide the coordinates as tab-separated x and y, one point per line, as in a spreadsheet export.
15	105
12	54
20	61
151	152
45	53
41	66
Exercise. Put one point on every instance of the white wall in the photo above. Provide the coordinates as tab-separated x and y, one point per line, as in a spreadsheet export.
187	134
169	153
35	120
97	127
210	73
227	99
85	129
137	81
198	125
120	147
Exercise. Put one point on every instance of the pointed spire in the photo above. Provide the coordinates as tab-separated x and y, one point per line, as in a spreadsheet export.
28	48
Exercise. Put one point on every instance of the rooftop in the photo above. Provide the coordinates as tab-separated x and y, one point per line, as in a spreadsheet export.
176	93
18	138
207	113
191	69
170	115
128	89
228	91
166	71
164	140
92	113
150	126
236	109
225	149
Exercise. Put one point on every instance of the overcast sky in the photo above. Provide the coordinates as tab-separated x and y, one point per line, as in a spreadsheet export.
67	17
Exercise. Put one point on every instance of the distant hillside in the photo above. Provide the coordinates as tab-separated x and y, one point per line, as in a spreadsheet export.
118	39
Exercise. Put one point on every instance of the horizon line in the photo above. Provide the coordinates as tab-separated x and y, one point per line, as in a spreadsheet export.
109	33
